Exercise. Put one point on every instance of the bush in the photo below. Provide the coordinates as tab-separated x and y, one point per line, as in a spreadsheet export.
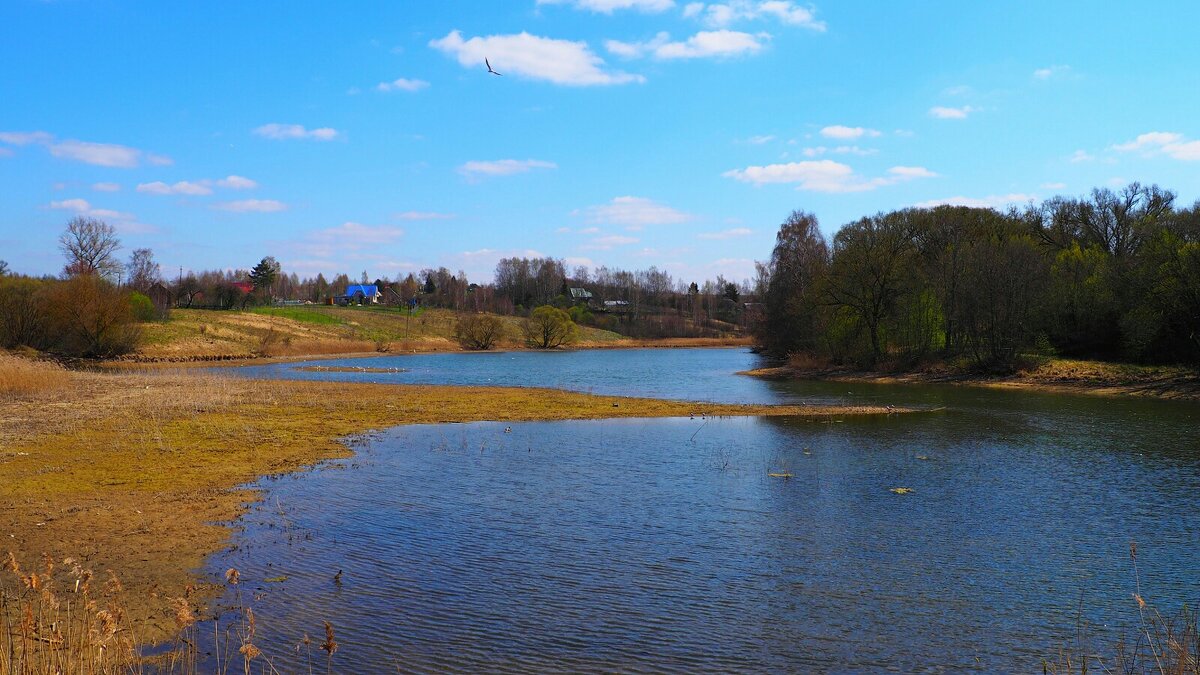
141	307
89	317
549	328
21	319
478	331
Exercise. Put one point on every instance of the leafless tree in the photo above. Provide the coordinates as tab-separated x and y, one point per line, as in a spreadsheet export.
141	270
90	246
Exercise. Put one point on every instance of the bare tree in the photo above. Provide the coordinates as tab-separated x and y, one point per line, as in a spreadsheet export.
3	267
141	270
90	246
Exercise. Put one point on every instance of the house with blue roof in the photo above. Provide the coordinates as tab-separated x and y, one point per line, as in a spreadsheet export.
362	294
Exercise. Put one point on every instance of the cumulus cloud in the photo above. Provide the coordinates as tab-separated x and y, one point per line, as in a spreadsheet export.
610	6
503	167
251	206
237	183
402	84
825	176
945	113
720	14
106	187
634	213
561	62
845	133
1167	143
726	234
705	44
279	132
183	187
989	202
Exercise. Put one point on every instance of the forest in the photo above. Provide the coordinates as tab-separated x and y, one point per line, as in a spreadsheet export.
1114	275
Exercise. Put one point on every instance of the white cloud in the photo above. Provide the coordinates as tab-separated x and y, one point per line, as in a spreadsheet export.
423	215
606	243
25	137
579	262
402	84
839	150
1163	142
722	14
1053	186
989	202
1049	72
279	132
503	167
705	44
251	206
944	113
357	235
99	154
848	133
183	187
1081	156
124	222
237	183
825	176
633	212
558	61
759	140
159	160
726	234
609	6
106	187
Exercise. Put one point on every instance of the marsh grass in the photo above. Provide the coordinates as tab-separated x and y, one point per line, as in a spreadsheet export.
22	377
62	619
1163	644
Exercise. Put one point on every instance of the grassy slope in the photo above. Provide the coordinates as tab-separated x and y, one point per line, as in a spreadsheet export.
313	329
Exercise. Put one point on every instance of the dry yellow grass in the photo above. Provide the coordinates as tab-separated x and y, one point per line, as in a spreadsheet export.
129	471
22	377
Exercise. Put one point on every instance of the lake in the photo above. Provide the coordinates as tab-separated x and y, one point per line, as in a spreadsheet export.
664	546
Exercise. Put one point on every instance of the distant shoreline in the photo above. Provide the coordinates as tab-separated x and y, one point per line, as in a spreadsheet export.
1055	376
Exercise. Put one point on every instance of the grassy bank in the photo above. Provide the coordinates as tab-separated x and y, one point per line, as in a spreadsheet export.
317	330
131	471
1047	375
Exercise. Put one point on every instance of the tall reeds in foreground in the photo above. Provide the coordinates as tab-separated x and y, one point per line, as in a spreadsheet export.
58	619
1167	645
21	377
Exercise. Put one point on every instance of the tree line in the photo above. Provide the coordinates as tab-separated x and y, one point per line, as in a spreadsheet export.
1113	275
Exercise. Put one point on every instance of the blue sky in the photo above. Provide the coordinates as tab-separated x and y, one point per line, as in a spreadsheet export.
621	132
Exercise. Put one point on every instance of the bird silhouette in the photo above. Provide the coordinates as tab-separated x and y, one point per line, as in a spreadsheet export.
489	67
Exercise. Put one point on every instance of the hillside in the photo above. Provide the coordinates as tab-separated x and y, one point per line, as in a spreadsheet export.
198	335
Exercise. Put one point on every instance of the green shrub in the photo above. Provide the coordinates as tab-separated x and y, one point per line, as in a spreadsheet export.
141	307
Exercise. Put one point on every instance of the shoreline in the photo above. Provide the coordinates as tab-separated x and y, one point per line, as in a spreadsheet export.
1090	378
145	473
138	362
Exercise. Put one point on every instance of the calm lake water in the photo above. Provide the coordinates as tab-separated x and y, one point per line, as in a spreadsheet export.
663	546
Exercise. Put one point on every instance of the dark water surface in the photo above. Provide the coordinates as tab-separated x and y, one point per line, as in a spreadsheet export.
663	546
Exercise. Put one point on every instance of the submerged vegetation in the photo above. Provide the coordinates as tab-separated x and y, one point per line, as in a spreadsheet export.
1115	275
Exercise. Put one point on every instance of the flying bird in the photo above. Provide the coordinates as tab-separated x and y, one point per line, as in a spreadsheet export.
489	67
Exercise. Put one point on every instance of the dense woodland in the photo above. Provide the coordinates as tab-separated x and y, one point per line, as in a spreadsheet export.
1115	275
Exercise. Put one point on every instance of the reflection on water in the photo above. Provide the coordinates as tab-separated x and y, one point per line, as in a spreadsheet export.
662	545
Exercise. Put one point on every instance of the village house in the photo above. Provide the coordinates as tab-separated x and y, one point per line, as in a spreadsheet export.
362	294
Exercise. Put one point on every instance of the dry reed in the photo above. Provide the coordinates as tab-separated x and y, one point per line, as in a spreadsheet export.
21	377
